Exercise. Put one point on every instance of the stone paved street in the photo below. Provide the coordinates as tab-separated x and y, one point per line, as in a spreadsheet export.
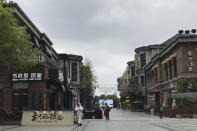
135	121
120	121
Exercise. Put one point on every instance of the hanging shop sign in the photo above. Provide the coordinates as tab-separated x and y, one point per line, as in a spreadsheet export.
171	85
190	61
26	76
74	100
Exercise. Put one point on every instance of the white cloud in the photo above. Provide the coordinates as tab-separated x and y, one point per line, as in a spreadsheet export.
108	31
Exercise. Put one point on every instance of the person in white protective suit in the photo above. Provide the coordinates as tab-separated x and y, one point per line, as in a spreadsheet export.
79	111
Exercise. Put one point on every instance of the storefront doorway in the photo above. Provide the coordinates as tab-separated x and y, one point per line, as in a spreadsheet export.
20	95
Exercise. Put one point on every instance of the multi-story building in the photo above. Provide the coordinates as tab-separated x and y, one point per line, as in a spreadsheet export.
171	74
126	83
142	57
69	73
36	88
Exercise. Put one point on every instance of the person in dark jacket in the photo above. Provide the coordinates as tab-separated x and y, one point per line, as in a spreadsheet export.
106	111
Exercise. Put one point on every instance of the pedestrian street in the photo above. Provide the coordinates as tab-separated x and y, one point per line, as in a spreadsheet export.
124	120
120	120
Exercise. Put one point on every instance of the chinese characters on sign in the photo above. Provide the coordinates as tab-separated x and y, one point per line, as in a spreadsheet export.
26	76
53	116
190	61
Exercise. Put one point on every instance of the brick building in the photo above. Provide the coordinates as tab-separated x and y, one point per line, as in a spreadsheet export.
36	88
171	75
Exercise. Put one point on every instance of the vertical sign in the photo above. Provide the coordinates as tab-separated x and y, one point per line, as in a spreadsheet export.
190	61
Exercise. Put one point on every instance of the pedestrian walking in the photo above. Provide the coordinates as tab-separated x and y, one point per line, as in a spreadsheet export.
79	111
161	112
106	111
152	111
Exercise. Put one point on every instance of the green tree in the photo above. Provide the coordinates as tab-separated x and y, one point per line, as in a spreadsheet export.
15	49
88	83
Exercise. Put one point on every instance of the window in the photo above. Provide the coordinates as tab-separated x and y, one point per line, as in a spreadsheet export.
20	100
166	71
156	76
142	60
133	70
1	96
61	75
170	67
74	72
33	100
142	81
153	78
40	103
175	68
20	85
1	86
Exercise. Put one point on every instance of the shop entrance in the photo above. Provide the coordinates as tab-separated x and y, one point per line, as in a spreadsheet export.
20	95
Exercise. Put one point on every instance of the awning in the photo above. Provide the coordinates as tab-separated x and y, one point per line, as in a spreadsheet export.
137	102
169	58
173	55
155	66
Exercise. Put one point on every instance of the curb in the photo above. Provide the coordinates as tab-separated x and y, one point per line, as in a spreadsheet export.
11	123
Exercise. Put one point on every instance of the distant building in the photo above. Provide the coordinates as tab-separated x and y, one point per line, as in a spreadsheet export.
126	84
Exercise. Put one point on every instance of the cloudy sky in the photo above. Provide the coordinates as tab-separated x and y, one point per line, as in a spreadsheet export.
108	31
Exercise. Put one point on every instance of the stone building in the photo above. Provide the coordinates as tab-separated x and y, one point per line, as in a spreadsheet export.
126	83
142	57
171	75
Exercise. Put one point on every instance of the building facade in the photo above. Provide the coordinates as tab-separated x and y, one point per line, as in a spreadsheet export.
69	73
171	75
142	57
126	85
37	88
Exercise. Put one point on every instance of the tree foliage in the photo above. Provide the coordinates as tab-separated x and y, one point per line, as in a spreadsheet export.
15	48
88	83
88	77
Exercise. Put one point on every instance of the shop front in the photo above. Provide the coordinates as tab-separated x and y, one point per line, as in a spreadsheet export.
28	91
